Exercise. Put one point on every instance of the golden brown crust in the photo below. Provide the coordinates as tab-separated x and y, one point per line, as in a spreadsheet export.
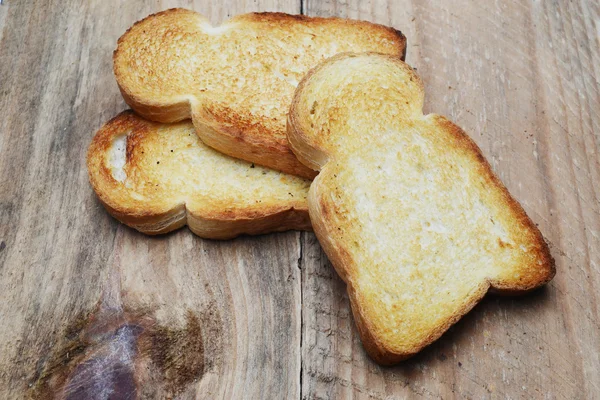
315	145
234	135
246	129
151	210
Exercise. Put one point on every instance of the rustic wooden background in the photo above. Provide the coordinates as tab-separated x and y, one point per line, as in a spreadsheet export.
266	317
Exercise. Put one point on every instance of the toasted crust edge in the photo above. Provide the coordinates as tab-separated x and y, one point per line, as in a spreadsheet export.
215	224
341	261
232	140
263	151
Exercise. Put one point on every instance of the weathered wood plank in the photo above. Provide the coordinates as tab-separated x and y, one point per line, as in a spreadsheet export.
522	79
3	14
79	291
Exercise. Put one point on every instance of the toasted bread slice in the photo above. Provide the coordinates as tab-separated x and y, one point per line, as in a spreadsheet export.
235	81
405	206
159	177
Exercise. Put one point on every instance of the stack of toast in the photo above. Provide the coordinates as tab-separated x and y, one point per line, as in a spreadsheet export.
273	122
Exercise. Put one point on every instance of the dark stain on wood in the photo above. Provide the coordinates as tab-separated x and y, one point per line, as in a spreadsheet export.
108	372
177	353
99	352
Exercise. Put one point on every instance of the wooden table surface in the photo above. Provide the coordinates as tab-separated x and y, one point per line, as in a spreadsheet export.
266	317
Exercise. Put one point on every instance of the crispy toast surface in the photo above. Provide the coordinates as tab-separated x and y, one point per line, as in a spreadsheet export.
235	81
405	206
158	177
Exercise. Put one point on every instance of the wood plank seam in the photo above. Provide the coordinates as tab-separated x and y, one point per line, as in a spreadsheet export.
299	265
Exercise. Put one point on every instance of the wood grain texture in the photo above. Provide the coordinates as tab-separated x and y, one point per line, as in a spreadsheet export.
76	283
522	79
